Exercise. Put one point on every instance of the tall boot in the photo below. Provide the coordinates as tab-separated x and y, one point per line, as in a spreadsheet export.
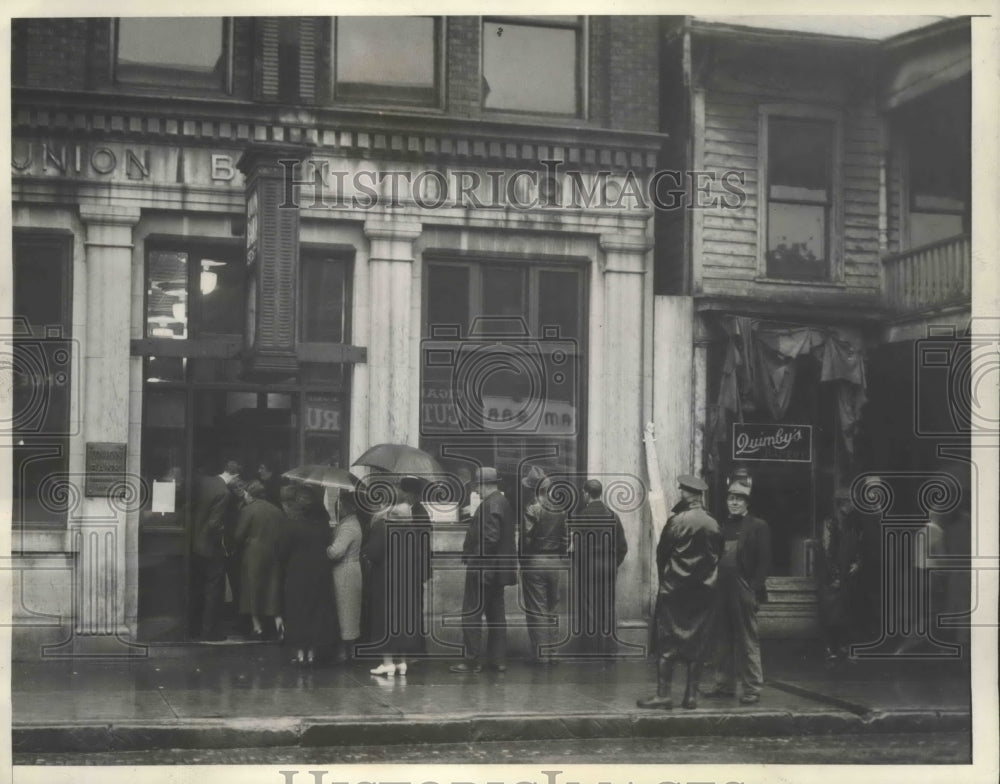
691	689
664	677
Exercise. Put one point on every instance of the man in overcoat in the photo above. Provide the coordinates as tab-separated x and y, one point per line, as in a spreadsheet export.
599	547
743	570
212	507
687	559
489	554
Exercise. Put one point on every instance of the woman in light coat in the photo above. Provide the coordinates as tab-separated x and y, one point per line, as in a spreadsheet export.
345	552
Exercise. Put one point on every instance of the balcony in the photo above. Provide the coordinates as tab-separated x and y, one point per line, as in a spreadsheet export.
930	277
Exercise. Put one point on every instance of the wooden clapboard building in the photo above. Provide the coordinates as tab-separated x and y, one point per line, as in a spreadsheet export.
257	238
829	231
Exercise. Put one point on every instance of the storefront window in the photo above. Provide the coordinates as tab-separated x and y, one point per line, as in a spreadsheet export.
171	52
501	383
532	64
42	357
386	59
799	198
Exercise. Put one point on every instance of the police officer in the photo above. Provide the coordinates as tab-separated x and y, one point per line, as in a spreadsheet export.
743	571
687	558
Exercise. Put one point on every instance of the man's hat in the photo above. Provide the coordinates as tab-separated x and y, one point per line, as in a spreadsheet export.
739	488
692	483
487	475
534	478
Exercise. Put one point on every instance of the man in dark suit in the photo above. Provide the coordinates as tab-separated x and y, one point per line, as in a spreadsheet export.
599	547
743	570
212	507
489	554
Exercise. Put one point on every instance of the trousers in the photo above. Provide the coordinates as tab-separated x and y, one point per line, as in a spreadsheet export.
483	598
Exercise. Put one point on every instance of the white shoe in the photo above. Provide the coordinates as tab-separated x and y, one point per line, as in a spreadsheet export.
401	669
384	669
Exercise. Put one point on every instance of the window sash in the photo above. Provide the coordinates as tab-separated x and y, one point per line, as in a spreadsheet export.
425	92
513	101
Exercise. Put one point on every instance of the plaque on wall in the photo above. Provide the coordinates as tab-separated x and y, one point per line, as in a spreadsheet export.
105	469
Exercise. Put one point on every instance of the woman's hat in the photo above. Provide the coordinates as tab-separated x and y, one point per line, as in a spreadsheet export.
535	477
739	488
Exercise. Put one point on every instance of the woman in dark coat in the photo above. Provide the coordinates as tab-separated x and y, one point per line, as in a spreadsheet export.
260	531
310	619
397	554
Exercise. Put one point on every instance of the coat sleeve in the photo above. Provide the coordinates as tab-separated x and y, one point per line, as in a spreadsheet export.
341	543
492	522
374	548
243	525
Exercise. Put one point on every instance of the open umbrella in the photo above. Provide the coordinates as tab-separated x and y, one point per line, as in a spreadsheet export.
323	476
402	460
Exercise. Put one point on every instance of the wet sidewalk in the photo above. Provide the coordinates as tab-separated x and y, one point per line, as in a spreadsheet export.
233	696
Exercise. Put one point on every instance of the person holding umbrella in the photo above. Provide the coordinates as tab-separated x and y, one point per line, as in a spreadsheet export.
310	619
397	552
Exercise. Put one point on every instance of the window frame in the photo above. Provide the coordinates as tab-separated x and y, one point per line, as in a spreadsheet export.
582	27
907	203
835	219
323	254
48	445
437	102
225	87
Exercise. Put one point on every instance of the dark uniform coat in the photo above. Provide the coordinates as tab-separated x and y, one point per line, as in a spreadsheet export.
687	559
489	541
260	532
212	504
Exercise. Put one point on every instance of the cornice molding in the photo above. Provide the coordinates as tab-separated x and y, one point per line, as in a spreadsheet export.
333	132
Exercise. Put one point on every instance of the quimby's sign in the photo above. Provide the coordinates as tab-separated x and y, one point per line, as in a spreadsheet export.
781	443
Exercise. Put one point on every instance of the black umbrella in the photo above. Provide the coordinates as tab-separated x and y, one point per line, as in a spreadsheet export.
402	460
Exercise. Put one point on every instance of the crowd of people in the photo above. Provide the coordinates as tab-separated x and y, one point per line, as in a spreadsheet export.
352	584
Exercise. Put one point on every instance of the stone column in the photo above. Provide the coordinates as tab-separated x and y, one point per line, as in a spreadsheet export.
620	427
393	371
96	534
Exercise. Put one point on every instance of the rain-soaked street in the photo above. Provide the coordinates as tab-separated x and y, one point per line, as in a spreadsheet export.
894	749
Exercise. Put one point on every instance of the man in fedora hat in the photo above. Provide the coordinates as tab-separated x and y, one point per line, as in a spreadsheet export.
543	564
489	557
687	558
743	569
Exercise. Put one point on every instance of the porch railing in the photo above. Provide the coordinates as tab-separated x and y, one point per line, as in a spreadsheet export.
930	276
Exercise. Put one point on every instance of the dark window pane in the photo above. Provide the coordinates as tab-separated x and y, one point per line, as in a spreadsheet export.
288	58
447	300
559	304
41	380
386	58
799	159
220	288
505	302
39	285
530	69
173	51
323	300
166	295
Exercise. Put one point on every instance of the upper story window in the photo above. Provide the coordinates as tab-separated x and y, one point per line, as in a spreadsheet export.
42	376
533	64
386	59
798	181
939	179
173	52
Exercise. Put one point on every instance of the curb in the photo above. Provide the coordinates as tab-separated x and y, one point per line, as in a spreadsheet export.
346	730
